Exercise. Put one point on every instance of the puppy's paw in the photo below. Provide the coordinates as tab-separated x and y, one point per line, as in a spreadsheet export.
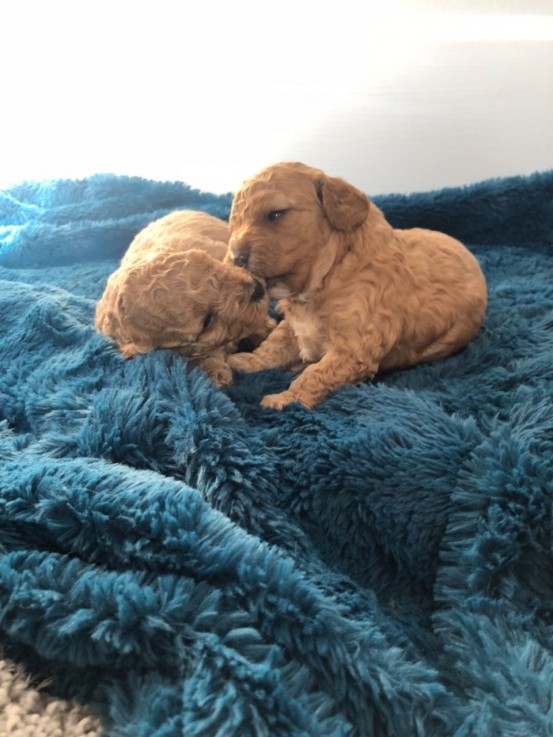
279	401
220	375
129	350
244	362
270	325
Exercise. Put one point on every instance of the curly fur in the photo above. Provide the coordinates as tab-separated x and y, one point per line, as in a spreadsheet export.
27	710
173	290
357	295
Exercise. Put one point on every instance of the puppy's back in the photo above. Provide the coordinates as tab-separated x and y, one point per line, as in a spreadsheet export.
448	261
179	231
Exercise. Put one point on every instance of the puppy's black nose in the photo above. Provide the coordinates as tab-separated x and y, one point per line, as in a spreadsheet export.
258	291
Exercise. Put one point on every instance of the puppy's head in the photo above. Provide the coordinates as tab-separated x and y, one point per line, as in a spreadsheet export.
283	217
187	301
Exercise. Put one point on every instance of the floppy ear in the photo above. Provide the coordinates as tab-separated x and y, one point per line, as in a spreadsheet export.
345	206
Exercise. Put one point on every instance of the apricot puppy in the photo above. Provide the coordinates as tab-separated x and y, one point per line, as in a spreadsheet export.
357	295
173	290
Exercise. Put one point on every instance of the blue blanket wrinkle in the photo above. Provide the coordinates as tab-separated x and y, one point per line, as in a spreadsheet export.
193	565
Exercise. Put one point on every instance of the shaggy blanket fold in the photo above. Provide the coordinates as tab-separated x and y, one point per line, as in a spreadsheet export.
189	564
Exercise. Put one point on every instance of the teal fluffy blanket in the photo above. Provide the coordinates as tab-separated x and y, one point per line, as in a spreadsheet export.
193	565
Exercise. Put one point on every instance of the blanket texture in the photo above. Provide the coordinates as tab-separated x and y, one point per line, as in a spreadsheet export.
186	563
30	712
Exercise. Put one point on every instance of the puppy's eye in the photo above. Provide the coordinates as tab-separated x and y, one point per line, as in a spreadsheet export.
275	215
208	320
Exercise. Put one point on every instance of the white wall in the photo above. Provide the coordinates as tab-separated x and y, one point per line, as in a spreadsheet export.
395	96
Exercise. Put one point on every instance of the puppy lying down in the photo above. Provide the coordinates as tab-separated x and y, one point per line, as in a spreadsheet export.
357	295
173	290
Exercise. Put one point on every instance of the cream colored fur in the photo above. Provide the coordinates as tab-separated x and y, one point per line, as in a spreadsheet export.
28	711
173	290
357	295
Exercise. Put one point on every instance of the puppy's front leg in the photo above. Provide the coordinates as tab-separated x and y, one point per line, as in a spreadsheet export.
216	367
280	349
335	369
255	339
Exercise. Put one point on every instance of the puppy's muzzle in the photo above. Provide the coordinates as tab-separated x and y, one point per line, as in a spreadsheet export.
240	254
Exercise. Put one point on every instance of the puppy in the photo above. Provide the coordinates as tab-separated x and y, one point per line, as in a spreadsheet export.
357	296
173	290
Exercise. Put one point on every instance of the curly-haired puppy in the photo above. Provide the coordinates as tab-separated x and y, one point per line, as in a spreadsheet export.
173	290
357	295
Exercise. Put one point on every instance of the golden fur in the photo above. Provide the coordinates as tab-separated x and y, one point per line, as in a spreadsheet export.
357	295
172	290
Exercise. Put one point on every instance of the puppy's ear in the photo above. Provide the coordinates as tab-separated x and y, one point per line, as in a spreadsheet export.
124	325
345	206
